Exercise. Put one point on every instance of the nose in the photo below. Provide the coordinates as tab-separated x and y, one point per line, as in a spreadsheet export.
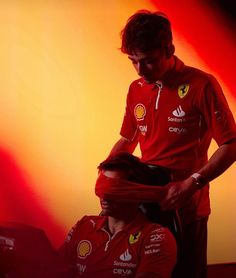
104	201
141	68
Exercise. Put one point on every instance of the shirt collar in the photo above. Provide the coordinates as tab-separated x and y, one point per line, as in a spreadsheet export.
136	225
171	77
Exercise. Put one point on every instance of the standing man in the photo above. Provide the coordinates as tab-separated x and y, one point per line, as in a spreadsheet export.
173	111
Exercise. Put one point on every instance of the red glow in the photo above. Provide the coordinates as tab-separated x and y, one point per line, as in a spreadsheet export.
18	202
204	28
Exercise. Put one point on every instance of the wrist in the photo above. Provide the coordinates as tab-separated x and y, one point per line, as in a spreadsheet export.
199	180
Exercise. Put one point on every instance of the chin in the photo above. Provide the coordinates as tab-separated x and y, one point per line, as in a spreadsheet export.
148	81
106	212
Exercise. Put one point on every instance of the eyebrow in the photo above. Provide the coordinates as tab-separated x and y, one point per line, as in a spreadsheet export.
130	58
142	59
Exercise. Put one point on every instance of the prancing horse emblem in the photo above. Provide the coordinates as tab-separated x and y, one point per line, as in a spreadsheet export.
183	90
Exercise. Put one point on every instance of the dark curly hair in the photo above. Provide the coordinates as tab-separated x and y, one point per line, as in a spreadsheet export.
146	31
135	170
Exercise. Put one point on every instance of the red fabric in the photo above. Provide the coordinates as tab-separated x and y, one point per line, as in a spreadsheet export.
118	189
140	247
177	134
178	141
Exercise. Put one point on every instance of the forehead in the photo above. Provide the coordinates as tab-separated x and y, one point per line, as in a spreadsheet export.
140	55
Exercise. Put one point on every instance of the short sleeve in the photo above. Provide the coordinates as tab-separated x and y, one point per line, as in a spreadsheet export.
216	112
129	125
159	252
66	251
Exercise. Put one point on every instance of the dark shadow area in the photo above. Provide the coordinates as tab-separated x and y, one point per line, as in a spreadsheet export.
227	270
24	250
228	8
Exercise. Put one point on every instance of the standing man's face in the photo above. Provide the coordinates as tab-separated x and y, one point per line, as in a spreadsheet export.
151	66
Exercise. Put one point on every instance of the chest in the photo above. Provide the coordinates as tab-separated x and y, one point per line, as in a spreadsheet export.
108	255
172	111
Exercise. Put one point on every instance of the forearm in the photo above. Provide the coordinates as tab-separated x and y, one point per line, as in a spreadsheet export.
180	192
220	161
124	145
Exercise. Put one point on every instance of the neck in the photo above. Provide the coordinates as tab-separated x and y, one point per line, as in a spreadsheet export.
170	67
116	224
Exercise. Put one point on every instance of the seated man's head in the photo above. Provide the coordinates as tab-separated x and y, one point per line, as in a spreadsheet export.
120	170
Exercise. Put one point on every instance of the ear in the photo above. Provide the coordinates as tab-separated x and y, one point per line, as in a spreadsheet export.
170	50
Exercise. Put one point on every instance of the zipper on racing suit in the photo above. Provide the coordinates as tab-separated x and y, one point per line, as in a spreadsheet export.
160	86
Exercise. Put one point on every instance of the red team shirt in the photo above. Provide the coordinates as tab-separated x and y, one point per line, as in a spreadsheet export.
175	122
141	247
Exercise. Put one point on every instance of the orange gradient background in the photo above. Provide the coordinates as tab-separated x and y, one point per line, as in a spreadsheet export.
63	89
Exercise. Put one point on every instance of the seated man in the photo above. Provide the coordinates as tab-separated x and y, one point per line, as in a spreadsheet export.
121	241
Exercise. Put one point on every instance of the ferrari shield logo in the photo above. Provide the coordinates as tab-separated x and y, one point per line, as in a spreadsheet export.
183	90
133	238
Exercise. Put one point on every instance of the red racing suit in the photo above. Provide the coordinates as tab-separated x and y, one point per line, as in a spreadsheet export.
141	246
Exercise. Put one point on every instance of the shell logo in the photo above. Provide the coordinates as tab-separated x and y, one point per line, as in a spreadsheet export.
84	249
139	112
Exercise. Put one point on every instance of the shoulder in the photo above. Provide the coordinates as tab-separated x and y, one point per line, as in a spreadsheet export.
202	78
154	233
203	84
91	221
198	74
150	228
139	90
86	223
158	251
139	85
206	84
186	73
157	233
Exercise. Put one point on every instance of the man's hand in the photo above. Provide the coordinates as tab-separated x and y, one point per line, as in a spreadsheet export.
178	193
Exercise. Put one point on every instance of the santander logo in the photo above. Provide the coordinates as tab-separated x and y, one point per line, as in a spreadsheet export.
126	256
178	112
